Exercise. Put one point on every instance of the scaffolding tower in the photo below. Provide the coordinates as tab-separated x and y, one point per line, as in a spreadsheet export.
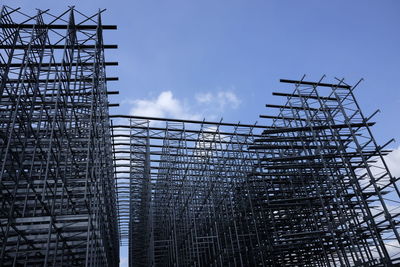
308	188
323	182
58	203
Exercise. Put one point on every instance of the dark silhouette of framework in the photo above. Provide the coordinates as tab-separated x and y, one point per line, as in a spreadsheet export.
56	165
310	189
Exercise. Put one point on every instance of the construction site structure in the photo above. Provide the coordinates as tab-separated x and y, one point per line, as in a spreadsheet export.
307	187
56	159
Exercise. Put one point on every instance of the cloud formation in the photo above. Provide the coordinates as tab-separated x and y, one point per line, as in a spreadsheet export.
221	99
393	162
165	105
123	262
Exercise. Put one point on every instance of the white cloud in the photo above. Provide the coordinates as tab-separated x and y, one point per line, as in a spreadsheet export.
204	105
123	262
393	162
165	106
204	98
220	99
228	98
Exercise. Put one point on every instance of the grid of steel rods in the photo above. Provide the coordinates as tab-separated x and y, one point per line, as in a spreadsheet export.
310	189
56	163
323	183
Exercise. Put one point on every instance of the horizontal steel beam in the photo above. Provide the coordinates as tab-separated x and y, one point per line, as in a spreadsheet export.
57	26
315	83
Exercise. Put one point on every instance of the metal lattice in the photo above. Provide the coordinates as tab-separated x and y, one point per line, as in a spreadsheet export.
308	188
56	164
311	189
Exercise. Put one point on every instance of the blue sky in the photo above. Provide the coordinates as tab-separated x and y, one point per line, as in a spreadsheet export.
224	58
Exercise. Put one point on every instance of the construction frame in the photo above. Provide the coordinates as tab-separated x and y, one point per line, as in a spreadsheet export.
56	163
307	187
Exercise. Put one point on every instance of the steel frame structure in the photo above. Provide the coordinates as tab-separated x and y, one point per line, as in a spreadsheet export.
58	206
329	195
309	189
181	180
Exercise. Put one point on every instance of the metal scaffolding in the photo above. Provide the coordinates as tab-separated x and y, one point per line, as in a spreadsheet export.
182	180
310	189
323	182
56	163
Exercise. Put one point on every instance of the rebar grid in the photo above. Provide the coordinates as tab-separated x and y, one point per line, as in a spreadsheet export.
311	189
56	166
